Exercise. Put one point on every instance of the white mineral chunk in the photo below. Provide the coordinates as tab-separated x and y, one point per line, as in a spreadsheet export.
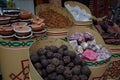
78	13
98	58
96	47
92	42
84	45
74	44
80	49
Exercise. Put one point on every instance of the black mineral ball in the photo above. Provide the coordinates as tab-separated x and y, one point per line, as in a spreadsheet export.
66	59
52	76
57	55
83	77
37	65
86	71
75	77
41	51
71	65
42	57
72	54
64	47
77	60
55	61
76	70
42	72
49	54
66	53
53	48
60	69
60	77
62	62
44	62
47	48
50	68
60	51
34	58
83	63
68	73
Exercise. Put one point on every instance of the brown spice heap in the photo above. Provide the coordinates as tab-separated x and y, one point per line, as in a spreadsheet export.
54	19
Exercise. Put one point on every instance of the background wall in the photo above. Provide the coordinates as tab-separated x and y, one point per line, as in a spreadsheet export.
25	4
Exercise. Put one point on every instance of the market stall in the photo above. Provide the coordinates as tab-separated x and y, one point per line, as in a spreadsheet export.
55	44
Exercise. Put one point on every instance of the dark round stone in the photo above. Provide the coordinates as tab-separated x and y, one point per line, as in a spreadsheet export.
50	68
76	70
37	65
44	62
34	58
60	77
66	59
86	71
55	61
60	69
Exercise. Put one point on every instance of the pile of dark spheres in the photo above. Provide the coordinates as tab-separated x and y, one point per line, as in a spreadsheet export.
54	63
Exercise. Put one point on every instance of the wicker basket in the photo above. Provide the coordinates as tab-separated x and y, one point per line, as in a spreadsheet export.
82	6
98	68
41	44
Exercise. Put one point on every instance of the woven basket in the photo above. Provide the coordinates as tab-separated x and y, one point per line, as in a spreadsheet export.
55	32
98	68
82	6
41	44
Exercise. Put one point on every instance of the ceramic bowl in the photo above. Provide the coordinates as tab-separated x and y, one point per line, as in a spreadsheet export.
25	15
6	30
19	24
4	19
22	30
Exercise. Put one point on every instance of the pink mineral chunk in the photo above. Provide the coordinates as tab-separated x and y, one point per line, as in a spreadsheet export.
90	55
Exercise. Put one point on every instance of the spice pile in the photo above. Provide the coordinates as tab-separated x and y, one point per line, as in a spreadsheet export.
54	63
54	19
